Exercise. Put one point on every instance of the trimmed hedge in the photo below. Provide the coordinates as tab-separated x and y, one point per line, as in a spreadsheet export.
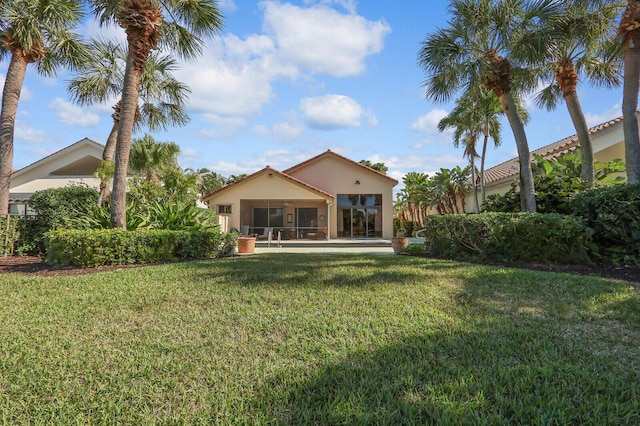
614	214
97	247
509	237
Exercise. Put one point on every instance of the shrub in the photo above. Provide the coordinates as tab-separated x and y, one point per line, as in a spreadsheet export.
97	247
614	214
57	207
522	237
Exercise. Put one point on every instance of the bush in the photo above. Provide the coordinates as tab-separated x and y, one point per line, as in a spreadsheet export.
613	213
97	247
504	237
408	225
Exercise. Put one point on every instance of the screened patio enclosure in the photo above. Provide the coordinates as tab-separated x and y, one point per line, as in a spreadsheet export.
287	219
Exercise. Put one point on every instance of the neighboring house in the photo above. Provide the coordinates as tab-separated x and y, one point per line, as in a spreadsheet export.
327	196
608	144
74	164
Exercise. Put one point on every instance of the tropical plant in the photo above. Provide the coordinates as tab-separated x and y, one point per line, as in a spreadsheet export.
36	32
100	79
174	25
582	49
380	167
490	43
149	158
558	181
207	180
162	96
629	35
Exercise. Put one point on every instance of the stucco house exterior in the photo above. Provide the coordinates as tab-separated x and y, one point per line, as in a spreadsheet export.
74	164
608	144
327	196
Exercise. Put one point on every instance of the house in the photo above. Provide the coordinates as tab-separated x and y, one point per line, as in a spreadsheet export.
74	164
327	196
608	144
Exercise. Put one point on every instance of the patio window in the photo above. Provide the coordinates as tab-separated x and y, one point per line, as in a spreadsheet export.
224	208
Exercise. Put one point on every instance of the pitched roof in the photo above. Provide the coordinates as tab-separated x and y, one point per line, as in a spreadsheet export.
511	168
268	169
85	141
329	153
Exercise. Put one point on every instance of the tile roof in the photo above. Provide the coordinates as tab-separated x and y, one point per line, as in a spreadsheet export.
511	168
268	169
334	154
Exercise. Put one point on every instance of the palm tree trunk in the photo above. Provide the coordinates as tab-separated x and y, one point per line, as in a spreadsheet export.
10	97
129	105
110	146
587	172
476	204
629	107
483	194
527	190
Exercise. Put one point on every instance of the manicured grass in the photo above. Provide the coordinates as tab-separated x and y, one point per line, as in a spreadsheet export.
326	339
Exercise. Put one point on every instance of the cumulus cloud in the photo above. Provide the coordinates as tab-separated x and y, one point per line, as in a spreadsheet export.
73	115
427	125
319	39
331	112
29	134
235	76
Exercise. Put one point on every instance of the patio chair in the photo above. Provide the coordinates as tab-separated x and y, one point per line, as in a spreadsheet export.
319	235
244	231
266	234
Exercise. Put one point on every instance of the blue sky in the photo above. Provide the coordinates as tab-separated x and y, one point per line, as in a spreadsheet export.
285	81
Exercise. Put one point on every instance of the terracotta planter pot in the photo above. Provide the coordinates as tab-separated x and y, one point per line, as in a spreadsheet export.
398	243
246	244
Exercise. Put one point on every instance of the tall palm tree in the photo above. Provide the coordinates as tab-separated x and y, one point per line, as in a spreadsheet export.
162	96
629	35
100	79
177	25
582	49
490	43
479	111
36	32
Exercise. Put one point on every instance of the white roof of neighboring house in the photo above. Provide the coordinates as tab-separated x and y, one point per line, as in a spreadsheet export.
75	163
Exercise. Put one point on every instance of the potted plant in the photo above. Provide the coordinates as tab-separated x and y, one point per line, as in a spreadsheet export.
399	241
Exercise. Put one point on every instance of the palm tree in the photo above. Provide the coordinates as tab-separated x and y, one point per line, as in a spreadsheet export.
32	32
100	79
150	159
581	49
490	43
162	96
629	35
176	25
478	111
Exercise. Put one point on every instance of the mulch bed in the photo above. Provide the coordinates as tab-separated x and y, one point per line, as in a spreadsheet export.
36	265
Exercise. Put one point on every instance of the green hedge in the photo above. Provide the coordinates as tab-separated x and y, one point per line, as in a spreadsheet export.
97	247
506	237
614	214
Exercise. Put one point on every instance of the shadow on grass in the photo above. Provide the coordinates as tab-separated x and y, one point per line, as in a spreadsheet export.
322	269
509	372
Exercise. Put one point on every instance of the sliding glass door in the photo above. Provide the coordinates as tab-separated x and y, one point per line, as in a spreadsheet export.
359	215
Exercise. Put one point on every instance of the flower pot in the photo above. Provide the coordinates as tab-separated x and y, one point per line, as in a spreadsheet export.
246	244
398	243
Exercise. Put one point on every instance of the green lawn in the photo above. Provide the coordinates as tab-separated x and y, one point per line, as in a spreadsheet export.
319	339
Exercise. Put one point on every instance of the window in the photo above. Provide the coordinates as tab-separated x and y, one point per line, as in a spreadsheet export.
224	208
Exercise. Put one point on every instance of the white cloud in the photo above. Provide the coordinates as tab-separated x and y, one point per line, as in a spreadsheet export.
73	115
287	131
29	134
227	5
595	119
189	155
261	130
427	125
331	112
322	40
